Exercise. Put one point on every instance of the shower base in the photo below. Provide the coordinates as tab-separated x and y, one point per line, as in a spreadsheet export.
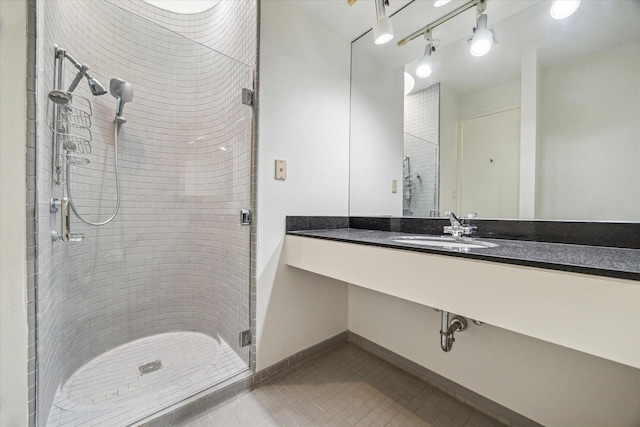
135	380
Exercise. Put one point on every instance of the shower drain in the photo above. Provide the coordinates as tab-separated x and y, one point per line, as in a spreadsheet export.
150	367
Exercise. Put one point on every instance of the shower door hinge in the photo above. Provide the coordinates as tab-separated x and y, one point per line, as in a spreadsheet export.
245	217
245	338
247	97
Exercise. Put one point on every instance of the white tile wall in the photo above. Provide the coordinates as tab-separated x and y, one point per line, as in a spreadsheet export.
175	258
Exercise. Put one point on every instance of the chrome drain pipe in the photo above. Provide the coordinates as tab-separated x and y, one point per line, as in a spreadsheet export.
448	328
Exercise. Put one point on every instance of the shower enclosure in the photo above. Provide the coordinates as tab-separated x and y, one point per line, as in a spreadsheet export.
146	310
421	164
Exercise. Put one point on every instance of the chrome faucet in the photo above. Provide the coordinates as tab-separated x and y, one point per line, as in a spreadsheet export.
459	228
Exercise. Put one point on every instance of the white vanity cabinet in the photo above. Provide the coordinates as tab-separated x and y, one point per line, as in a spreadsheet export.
592	314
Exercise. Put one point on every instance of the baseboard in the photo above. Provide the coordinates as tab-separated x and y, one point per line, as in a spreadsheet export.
303	356
476	401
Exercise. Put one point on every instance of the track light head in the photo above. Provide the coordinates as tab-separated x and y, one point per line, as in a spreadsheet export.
423	69
483	38
382	30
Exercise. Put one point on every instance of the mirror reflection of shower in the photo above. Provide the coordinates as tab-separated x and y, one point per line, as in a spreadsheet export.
421	153
71	125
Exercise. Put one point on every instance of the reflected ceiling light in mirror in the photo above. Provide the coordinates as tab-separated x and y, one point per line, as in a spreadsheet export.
561	9
483	38
439	3
382	30
409	83
423	69
184	6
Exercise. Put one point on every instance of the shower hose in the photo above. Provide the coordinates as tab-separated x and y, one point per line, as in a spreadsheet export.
115	212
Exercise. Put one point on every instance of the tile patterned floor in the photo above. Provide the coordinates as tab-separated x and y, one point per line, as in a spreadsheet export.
344	387
111	391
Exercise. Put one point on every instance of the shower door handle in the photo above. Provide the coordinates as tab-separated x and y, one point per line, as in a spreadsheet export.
245	217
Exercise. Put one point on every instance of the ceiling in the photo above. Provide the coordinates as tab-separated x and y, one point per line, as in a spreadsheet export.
520	26
348	22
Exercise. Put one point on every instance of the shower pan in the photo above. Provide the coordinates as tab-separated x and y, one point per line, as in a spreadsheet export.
146	309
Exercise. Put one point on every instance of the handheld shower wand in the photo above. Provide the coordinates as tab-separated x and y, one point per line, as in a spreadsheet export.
122	91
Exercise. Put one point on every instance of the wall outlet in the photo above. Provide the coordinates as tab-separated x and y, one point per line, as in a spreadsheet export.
281	169
394	186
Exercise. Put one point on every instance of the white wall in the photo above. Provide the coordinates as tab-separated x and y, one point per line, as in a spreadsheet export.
13	273
377	138
550	384
448	151
489	100
590	134
304	119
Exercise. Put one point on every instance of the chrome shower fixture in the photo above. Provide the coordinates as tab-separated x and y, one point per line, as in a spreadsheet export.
94	85
60	97
122	91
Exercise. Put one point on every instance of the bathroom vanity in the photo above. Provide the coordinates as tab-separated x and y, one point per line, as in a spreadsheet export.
581	296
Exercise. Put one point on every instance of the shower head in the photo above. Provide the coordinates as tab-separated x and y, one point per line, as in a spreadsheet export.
95	86
122	91
60	97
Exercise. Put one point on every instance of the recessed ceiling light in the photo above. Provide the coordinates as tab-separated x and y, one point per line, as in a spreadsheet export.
561	9
184	6
409	83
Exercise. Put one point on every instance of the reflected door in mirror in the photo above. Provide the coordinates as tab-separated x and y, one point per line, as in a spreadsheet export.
490	159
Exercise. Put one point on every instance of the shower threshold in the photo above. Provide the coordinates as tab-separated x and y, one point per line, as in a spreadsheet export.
140	378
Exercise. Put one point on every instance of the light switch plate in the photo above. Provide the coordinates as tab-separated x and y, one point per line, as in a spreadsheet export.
281	169
394	186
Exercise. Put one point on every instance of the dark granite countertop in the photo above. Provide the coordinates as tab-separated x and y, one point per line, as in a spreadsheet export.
594	260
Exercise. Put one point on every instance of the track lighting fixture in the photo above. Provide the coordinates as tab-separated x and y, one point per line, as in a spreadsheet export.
382	30
483	38
423	69
432	25
561	9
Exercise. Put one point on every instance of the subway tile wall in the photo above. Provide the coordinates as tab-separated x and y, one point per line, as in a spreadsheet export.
175	257
31	208
421	145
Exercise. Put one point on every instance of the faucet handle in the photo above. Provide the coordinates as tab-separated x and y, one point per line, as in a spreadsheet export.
453	218
471	215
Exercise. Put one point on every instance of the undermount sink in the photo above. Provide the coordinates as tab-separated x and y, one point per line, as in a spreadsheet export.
462	243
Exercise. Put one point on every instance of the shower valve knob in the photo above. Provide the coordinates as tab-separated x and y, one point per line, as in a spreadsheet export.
54	205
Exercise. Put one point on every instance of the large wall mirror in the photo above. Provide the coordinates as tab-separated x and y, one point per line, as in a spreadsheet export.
544	126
